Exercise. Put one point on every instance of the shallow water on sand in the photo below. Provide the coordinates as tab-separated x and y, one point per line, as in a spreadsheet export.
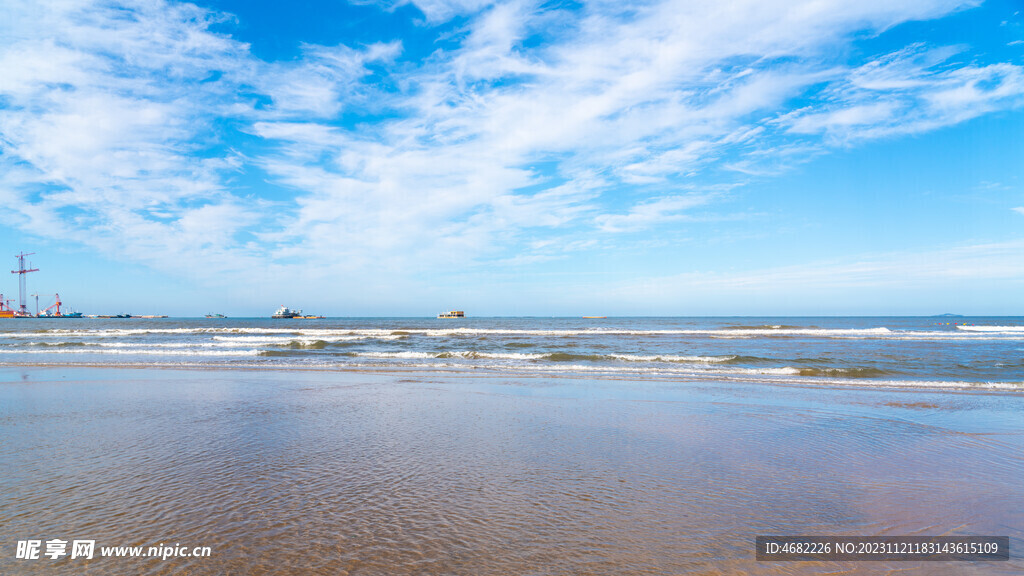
406	473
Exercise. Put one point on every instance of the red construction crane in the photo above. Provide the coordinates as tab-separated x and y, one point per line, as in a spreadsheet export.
21	271
57	306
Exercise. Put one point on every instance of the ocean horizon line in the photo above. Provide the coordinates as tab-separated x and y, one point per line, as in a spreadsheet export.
525	316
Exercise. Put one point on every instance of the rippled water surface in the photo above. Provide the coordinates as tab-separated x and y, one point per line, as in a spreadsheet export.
983	353
350	472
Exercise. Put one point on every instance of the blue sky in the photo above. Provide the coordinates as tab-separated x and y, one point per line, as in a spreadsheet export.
516	158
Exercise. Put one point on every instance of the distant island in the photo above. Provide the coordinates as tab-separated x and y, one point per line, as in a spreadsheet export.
947	315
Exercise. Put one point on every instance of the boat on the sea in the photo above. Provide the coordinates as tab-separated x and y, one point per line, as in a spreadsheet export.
452	314
311	317
216	316
285	312
61	315
594	317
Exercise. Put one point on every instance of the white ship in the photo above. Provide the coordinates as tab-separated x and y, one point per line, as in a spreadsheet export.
285	312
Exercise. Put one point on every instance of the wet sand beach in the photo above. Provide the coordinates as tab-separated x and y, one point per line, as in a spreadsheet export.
362	472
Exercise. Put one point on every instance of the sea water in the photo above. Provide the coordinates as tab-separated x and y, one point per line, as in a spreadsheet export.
937	352
507	445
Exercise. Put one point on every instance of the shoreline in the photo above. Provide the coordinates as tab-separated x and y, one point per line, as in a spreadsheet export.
997	388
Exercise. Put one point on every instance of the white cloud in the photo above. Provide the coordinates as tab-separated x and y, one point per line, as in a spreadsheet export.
846	118
438	11
638	98
909	92
105	122
112	119
649	213
324	82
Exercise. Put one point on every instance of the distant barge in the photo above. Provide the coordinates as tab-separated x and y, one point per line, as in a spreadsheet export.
452	314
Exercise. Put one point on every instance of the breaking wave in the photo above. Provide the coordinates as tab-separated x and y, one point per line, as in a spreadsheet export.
1011	329
821	350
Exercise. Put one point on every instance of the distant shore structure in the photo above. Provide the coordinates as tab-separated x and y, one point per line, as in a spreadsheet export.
22	311
54	310
21	272
452	314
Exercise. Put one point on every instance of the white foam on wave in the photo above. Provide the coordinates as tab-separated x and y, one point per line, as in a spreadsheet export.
116	332
694	372
671	358
306	339
168	351
881	333
137	345
113	332
785	376
689	369
408	355
934	384
341	334
779	376
840	332
473	355
1013	329
465	354
79	345
284	331
362	332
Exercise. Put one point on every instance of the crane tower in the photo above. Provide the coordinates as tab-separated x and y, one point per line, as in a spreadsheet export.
21	272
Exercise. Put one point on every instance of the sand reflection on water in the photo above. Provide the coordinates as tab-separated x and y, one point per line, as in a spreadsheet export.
369	473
